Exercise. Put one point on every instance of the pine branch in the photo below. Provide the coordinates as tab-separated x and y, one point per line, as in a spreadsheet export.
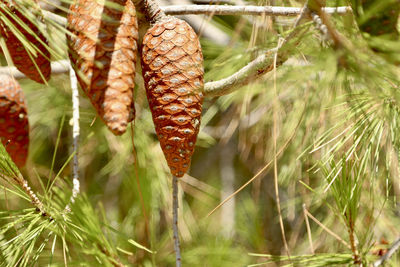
246	10
152	10
353	242
211	2
19	180
254	70
34	199
202	24
57	67
10	173
75	136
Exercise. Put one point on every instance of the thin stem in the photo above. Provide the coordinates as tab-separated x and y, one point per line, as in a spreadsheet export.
75	137
260	172
326	229
246	10
213	2
150	9
308	228
352	239
175	228
274	134
256	68
57	67
146	219
19	180
203	25
215	10
34	199
114	260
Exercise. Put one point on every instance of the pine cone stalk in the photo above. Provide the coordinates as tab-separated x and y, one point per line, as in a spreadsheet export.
103	54
172	67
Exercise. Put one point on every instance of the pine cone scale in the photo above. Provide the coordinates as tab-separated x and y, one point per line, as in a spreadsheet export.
14	125
173	80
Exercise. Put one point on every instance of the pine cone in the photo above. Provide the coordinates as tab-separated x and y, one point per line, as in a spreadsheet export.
39	69
103	54
172	64
14	126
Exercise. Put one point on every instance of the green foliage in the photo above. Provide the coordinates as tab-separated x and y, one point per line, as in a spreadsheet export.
307	260
337	120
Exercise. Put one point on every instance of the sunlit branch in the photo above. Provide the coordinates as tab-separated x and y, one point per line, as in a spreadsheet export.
253	70
202	24
245	10
213	2
224	10
256	68
75	137
61	66
57	67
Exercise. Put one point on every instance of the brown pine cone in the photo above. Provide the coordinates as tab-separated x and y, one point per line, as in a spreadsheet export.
14	126
103	54
39	68
172	64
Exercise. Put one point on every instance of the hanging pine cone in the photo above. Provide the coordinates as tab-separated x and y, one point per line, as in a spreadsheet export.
172	64
39	68
14	126
103	54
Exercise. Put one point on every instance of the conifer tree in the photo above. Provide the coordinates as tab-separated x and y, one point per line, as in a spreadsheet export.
296	159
